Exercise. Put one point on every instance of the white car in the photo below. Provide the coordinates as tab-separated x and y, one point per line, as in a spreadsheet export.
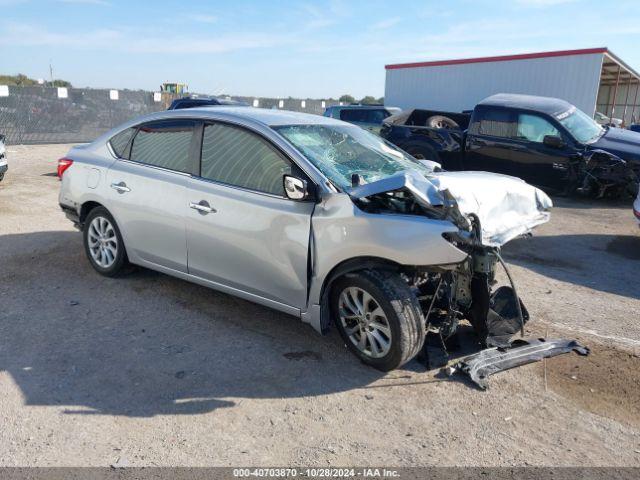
602	119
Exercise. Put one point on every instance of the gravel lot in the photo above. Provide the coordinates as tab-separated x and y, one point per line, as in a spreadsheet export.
151	370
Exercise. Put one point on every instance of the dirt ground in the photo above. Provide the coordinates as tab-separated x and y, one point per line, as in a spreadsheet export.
150	370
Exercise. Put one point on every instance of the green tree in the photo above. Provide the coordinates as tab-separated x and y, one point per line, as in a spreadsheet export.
21	80
346	99
61	83
368	100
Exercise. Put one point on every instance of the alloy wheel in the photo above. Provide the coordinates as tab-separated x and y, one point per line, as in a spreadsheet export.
364	322
103	242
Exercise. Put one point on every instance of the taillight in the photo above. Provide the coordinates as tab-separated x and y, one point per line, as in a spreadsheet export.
63	164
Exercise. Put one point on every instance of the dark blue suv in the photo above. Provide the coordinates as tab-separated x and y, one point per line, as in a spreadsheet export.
369	117
194	102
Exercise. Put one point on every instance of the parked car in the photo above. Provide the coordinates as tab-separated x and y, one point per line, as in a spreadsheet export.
635	127
602	119
194	102
3	158
545	141
369	117
306	214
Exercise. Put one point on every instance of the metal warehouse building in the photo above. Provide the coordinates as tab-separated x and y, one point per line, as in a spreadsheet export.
591	79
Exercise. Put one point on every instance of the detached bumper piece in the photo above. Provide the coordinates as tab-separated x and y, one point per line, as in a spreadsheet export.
481	365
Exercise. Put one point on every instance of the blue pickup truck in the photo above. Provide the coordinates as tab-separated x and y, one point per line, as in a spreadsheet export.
545	141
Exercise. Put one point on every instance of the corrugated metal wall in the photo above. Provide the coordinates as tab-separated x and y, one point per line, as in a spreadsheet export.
459	87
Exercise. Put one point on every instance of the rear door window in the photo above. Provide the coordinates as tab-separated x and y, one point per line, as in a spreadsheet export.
353	115
165	144
494	122
377	116
364	115
238	157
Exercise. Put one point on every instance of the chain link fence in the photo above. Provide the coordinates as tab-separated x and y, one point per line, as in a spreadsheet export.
32	115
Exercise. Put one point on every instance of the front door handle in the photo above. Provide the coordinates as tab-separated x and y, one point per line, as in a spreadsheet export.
120	187
202	207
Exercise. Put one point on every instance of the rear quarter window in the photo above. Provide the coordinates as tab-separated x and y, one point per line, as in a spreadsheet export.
120	142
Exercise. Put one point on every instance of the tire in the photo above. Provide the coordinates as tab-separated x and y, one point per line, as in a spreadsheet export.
440	121
103	243
391	305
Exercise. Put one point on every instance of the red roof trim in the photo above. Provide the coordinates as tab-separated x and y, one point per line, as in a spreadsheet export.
502	58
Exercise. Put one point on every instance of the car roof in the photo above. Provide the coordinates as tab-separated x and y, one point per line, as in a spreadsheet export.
363	107
549	105
263	116
206	101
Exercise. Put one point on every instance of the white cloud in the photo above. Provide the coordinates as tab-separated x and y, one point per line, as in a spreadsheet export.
103	3
132	41
317	16
543	3
9	3
201	18
386	23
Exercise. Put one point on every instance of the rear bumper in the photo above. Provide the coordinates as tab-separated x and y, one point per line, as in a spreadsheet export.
72	214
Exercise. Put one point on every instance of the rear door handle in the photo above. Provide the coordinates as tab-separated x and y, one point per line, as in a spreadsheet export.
120	187
202	207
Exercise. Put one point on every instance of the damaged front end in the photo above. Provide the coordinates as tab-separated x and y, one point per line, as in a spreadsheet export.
599	174
489	210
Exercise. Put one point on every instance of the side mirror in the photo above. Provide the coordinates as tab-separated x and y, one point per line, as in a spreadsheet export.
295	188
553	141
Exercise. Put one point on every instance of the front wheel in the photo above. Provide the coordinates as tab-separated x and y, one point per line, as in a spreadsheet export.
378	317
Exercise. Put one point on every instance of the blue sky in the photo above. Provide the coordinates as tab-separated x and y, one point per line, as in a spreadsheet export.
285	48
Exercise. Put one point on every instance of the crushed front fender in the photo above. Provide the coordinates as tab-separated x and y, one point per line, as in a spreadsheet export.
481	365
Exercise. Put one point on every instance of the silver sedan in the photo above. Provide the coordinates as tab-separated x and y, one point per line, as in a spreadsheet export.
305	214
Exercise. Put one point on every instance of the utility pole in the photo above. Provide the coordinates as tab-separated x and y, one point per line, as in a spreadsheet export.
50	71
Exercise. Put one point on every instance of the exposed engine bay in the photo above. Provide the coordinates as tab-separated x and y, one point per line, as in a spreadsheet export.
468	290
449	294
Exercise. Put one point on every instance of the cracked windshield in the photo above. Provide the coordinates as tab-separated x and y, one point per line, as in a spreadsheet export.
340	151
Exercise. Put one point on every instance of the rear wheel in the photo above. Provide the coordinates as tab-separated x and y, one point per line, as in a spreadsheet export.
440	121
103	243
378	317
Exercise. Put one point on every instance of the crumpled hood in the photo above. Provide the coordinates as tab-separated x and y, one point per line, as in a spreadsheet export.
506	207
623	143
